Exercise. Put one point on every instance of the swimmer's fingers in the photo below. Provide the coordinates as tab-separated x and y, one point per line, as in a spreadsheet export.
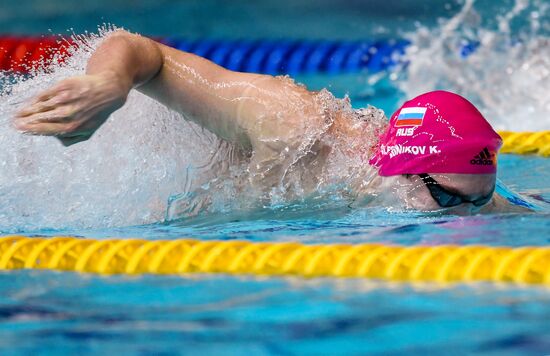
51	92
61	115
56	122
50	99
38	107
61	90
65	132
43	129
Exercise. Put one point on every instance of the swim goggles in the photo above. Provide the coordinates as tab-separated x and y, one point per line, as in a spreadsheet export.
447	199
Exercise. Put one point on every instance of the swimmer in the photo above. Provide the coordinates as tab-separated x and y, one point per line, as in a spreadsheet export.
437	152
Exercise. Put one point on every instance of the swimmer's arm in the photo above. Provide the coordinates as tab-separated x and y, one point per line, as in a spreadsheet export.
252	110
248	109
74	108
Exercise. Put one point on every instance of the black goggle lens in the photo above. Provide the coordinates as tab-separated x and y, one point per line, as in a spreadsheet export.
447	199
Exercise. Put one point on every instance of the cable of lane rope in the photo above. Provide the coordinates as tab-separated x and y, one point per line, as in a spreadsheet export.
448	263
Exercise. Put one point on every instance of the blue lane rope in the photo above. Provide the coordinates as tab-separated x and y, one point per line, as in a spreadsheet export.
260	56
295	57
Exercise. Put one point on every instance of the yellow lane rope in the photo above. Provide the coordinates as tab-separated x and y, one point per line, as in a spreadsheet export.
526	142
448	263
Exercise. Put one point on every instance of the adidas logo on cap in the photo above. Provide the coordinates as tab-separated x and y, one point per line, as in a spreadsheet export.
484	158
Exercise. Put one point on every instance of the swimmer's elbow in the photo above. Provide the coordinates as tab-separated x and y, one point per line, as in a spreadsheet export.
131	54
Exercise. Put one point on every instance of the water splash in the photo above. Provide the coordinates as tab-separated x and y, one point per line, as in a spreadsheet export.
499	58
123	175
147	163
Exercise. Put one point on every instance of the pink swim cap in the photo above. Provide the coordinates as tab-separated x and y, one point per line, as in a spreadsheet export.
437	132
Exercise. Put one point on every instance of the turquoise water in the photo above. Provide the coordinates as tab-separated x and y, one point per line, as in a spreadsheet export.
66	313
188	315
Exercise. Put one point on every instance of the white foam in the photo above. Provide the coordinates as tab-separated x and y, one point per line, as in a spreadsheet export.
146	163
124	175
507	76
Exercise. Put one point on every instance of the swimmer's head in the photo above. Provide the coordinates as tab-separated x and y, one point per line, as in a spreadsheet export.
439	133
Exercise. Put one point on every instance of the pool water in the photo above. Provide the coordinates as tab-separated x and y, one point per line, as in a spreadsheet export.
68	313
43	312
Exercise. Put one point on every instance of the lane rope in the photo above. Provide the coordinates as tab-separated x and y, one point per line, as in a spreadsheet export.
526	142
447	263
260	56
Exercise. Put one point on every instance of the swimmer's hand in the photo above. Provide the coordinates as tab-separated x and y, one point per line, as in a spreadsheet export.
73	109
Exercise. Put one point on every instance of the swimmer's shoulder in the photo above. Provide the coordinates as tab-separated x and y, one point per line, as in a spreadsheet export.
500	204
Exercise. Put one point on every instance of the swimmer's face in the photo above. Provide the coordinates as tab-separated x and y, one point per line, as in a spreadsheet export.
459	191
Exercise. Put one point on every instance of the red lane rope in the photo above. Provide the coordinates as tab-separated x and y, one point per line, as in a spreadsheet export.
20	54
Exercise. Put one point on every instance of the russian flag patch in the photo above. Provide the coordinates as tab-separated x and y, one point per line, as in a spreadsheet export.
410	117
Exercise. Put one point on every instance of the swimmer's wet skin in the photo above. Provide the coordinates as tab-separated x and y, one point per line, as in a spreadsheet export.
437	143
